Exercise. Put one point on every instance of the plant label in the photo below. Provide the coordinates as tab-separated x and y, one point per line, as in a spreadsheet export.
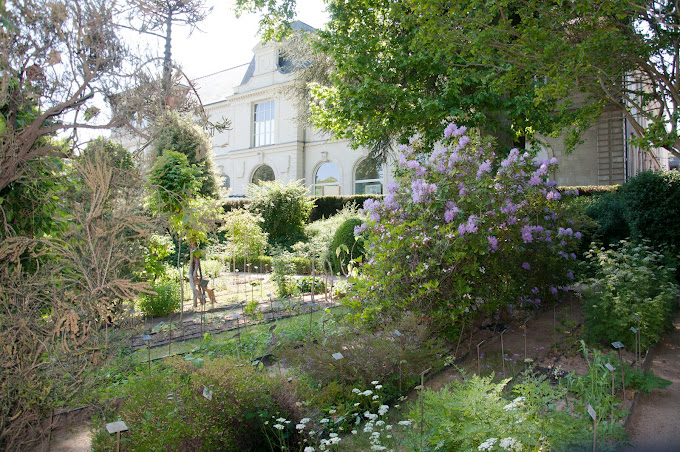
637	319
617	345
610	368
116	427
397	333
337	355
633	329
235	316
146	338
592	412
207	393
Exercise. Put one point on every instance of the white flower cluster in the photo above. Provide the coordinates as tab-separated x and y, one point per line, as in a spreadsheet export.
519	401
510	443
488	444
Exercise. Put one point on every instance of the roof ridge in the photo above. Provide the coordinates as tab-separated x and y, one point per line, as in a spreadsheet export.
223	70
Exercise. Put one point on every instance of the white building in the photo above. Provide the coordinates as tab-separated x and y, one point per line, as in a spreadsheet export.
265	141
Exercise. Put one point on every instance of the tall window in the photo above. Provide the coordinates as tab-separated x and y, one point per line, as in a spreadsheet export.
327	180
227	182
263	124
368	178
263	174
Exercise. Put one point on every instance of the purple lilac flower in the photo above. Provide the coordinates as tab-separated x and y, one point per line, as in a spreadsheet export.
392	187
402	160
359	229
412	164
553	195
542	170
450	130
371	204
485	167
464	140
471	226
577	235
526	234
534	291
493	243
461	229
570	274
526	266
553	290
461	189
535	180
554	161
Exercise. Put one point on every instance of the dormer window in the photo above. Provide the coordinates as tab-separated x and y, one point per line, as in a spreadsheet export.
263	124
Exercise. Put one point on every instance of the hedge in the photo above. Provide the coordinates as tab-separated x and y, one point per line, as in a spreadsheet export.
589	190
324	206
327	206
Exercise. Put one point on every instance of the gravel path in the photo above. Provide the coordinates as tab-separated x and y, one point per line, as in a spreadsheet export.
655	422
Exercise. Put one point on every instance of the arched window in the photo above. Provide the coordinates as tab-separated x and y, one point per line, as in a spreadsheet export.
263	174
227	182
327	180
368	178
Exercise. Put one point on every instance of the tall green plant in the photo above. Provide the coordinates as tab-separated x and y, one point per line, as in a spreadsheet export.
283	208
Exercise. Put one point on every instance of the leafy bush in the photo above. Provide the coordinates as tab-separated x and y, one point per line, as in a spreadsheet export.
282	209
244	236
474	415
353	248
589	190
329	206
609	211
166	410
304	284
367	356
165	302
156	250
454	236
651	200
629	281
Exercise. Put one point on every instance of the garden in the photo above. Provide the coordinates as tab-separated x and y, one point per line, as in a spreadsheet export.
474	306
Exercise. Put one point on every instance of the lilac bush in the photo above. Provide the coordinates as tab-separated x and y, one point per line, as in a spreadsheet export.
463	232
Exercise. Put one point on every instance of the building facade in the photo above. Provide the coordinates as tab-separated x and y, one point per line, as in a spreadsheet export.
265	141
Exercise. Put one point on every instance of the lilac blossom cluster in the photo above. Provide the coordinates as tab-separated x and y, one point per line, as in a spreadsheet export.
461	213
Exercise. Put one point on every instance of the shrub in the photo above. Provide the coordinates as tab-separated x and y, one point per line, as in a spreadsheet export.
337	254
166	410
454	236
475	415
652	207
304	284
329	206
156	250
165	302
367	356
629	281
609	211
282	209
243	234
588	190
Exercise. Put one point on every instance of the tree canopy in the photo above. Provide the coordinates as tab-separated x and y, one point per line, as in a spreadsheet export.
514	68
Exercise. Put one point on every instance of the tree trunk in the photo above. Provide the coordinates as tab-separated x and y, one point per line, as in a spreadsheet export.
167	58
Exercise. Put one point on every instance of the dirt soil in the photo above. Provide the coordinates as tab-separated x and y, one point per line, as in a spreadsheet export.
654	424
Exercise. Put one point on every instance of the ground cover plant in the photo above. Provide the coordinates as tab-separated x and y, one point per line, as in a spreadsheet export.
464	230
631	287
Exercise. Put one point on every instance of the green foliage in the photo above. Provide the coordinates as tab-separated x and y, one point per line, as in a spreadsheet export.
283	210
587	191
244	235
629	281
370	355
180	134
475	415
304	284
165	302
644	381
328	206
609	211
353	248
175	179
283	268
461	234
156	250
651	200
166	409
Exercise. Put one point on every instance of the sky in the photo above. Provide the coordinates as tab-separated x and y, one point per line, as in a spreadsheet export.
226	41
